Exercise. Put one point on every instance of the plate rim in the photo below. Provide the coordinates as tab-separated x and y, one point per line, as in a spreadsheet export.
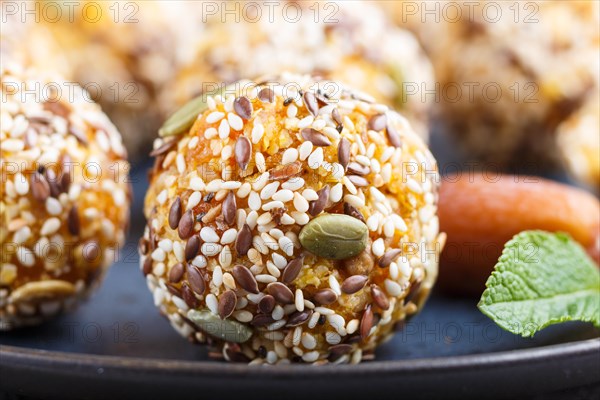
15	356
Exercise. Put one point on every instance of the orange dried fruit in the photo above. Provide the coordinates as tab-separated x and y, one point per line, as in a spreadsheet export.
480	212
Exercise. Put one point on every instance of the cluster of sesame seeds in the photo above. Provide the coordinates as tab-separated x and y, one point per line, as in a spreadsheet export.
56	217
236	223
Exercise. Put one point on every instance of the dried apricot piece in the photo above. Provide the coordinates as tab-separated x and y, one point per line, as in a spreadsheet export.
481	212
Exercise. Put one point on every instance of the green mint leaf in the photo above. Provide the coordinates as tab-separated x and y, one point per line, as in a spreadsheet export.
541	279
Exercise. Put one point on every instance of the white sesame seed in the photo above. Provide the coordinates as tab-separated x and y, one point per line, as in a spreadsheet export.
243	315
53	206
159	255
300	203
214	186
210	101
310	195
196	183
193	200
354	201
335	285
166	245
244	190
293	184
229	236
319	124
316	158
50	226
269	190
331	133
393	270
228	279
21	235
199	261
236	123
376	194
210	133
305	150
387	154
279	260
254	257
286	220
337	322
271	357
21	184
312	322
209	235
337	171
224	129
349	185
364	160
311	356
269	241
286	245
299	300
336	193
332	338
301	218
211	249
389	229
352	326
265	278
404	267
231	185
25	256
179	251
273	270
284	195
378	247
276	233
212	303
217	276
251	219
228	104
259	159
254	201
305	122
413	186
258	131
214	116
308	341
264	218
260	183
193	142
292	111
226	153
289	156
272	205
393	288
13	145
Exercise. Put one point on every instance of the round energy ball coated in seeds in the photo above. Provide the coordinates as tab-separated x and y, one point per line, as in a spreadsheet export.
64	199
303	220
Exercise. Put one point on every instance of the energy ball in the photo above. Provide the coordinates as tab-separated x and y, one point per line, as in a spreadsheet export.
122	53
352	42
64	198
580	144
509	73
292	219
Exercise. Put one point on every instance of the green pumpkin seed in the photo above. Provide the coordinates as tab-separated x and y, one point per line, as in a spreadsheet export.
334	236
225	329
184	118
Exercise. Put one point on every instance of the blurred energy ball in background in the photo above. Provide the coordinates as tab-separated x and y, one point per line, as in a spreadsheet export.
139	60
509	73
353	42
